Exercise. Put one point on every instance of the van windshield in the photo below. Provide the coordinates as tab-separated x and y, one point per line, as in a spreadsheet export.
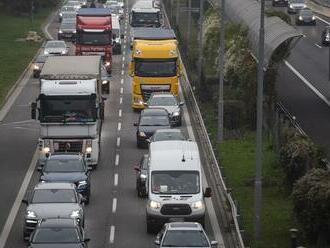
175	182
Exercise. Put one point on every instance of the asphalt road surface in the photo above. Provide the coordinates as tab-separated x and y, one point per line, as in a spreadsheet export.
115	216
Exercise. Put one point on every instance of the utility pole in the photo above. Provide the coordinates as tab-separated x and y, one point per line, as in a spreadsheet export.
177	13
258	175
200	44
221	71
189	24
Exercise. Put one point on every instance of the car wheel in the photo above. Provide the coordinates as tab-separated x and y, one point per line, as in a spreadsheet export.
151	228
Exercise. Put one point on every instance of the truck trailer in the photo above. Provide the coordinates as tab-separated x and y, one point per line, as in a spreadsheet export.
70	107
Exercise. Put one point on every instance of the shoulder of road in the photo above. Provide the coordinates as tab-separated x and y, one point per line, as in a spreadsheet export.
318	8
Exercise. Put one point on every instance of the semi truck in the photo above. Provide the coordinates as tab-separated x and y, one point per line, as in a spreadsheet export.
94	34
70	107
155	64
145	14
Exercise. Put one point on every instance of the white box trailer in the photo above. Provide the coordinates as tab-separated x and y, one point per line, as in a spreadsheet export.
70	107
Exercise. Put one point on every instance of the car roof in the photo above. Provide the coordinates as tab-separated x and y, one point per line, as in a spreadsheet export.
65	156
153	111
184	226
58	222
54	185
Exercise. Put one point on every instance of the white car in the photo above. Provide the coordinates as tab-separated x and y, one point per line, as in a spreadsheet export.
75	4
55	47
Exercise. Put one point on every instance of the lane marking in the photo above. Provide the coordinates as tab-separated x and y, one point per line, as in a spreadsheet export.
118	142
114	205
115	180
120	112
122	72
122	65
124	53
119	126
124	47
317	45
322	20
117	160
122	81
121	90
17	203
123	59
305	81
121	100
112	235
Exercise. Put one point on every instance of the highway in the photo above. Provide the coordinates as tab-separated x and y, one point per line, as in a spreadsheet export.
115	216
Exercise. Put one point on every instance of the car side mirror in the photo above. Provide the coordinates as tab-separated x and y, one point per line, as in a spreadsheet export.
148	141
121	36
34	110
89	168
135	124
137	168
208	192
145	104
214	243
87	239
39	168
25	201
181	104
157	242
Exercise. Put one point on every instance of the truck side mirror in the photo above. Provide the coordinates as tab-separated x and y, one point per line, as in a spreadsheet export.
34	110
208	192
130	68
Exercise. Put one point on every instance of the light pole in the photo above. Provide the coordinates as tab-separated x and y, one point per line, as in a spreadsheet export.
221	71
189	23
258	175
200	43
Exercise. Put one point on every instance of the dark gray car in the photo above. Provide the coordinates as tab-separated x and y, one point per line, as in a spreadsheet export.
305	17
52	200
67	31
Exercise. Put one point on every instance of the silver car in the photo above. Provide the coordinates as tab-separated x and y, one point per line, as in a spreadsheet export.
75	4
55	47
295	5
65	9
183	234
169	102
67	30
69	16
52	200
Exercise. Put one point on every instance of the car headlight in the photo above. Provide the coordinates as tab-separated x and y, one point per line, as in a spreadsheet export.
313	18
46	149
290	6
154	205
30	214
177	113
60	31
300	18
143	176
107	63
61	14
82	183
46	52
36	67
63	52
74	31
105	82
89	149
142	134
75	214
198	205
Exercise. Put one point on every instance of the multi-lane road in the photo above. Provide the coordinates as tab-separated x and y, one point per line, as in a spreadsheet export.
115	216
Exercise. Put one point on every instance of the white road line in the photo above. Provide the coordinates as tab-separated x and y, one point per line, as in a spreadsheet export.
121	90
119	126
318	93
122	81
118	142
114	205
322	20
117	160
120	112
115	180
112	235
124	47
122	72
124	53
21	193
121	100
317	45
122	65
123	59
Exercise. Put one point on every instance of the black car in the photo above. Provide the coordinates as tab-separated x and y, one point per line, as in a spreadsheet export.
141	175
58	233
149	121
305	17
69	168
280	3
325	37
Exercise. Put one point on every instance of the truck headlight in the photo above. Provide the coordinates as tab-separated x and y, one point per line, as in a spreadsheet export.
177	113
61	14
154	205
198	205
60	31
46	52
104	82
313	18
74	31
63	52
143	176
46	149
300	18
75	214
30	214
142	134
290	6
36	67
89	149
107	63
82	184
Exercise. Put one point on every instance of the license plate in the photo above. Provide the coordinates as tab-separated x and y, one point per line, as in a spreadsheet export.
176	219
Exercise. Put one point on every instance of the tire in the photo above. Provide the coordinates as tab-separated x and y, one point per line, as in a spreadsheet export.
151	228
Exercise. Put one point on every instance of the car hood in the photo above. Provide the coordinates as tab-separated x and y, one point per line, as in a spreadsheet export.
298	5
169	109
53	210
56	246
55	50
151	129
70	177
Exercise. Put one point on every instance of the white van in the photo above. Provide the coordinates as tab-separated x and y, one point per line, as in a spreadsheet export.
116	35
174	184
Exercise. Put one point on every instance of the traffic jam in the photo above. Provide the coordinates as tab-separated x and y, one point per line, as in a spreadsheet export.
75	74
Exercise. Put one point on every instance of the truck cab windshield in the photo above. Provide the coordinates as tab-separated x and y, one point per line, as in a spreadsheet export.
140	19
67	109
175	182
155	68
94	38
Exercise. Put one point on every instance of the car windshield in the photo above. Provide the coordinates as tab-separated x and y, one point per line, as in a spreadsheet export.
185	238
158	68
140	19
162	101
94	38
161	136
175	182
67	8
69	21
55	235
69	16
68	26
55	44
64	165
156	120
306	13
54	196
297	1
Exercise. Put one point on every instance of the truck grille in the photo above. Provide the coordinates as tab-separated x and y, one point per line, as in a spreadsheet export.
68	146
175	209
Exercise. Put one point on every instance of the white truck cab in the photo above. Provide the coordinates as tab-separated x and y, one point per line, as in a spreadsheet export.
174	184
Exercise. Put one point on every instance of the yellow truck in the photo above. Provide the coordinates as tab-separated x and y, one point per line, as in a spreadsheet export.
155	64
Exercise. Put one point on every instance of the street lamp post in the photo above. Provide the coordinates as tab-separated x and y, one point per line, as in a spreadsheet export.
200	43
258	174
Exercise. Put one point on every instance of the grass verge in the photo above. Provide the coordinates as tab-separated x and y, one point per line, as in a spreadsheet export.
16	54
238	159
